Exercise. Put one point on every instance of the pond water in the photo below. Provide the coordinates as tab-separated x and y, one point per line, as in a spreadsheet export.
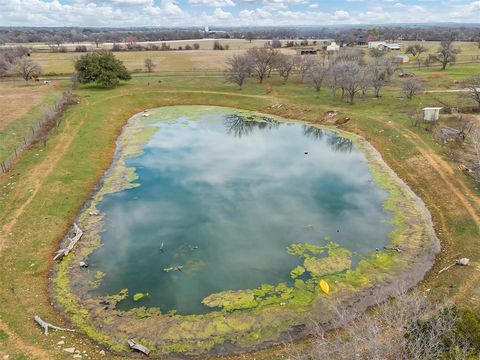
221	196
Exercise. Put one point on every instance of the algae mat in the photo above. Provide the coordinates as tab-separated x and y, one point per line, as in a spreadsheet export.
215	227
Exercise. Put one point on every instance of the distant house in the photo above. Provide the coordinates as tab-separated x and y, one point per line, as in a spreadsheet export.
376	44
333	46
400	59
431	114
307	51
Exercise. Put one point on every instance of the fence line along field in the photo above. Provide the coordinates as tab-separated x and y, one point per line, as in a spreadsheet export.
22	108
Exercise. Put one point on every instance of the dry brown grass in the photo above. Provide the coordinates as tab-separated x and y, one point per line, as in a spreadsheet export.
17	98
204	59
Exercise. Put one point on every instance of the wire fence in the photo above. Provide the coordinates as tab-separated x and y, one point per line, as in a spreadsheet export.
38	130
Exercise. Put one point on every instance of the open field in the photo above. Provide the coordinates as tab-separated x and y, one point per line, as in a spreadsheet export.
40	199
207	59
165	61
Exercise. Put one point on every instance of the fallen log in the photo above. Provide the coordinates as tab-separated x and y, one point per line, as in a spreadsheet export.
47	326
139	347
72	241
462	262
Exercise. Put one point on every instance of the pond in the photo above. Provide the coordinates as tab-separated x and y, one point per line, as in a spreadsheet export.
219	198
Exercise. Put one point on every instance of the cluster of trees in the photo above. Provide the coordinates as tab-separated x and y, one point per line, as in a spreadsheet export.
345	72
445	55
100	67
15	61
409	327
95	35
133	46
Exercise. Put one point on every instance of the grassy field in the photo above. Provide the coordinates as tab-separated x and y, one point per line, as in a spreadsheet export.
41	198
22	106
204	59
208	60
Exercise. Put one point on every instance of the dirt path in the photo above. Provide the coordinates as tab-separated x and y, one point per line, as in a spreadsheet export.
463	195
39	171
445	171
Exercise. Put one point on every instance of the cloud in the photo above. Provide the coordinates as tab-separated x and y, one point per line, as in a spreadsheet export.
222	15
214	3
213	12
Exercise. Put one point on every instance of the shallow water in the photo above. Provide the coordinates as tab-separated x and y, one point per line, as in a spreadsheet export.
226	197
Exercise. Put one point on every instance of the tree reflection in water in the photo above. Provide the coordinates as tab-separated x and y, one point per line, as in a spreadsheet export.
238	126
337	142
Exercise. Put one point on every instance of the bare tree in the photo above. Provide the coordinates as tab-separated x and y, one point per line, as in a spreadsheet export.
350	54
303	64
149	65
4	65
239	68
472	84
334	77
409	327
285	65
365	79
381	70
27	69
350	79
262	60
411	86
446	53
376	52
416	51
316	75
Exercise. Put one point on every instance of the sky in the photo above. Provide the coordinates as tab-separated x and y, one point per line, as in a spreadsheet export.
217	13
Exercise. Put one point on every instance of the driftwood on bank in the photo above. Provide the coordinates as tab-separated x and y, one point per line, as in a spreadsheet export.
72	241
139	347
462	262
47	326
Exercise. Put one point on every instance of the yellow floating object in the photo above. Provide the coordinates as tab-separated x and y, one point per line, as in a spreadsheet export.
324	286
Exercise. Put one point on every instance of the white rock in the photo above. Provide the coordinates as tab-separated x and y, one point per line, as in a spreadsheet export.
69	350
61	342
102	352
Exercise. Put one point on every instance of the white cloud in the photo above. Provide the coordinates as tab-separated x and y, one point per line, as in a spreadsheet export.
212	12
214	3
222	15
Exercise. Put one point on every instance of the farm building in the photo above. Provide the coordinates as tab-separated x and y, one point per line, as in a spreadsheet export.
431	114
390	47
400	59
333	46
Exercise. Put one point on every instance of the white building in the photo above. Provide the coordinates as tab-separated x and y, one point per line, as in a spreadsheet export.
376	44
431	114
333	46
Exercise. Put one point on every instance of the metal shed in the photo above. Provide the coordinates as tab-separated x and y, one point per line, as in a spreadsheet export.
431	113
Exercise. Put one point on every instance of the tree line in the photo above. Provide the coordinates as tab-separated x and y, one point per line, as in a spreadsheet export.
346	73
345	35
